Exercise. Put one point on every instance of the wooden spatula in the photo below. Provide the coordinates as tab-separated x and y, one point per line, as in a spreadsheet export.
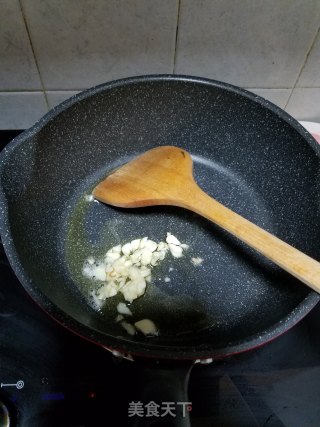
163	176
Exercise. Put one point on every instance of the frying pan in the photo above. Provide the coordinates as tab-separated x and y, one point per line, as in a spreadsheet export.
247	153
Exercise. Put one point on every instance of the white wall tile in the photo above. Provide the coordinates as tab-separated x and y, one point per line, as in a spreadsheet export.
310	76
277	96
18	70
56	97
250	43
81	43
304	104
20	110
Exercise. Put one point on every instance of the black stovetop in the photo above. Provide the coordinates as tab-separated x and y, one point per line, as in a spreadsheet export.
50	377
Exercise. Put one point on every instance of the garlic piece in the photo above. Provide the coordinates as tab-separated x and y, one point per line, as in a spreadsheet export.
143	242
128	327
172	239
151	245
126	249
123	309
119	318
155	258
147	327
146	256
197	261
162	246
98	303
162	254
176	251
90	260
112	256
135	244
107	291
99	273
184	246
133	289
145	271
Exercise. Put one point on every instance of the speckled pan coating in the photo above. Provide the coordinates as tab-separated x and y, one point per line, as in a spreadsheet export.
247	153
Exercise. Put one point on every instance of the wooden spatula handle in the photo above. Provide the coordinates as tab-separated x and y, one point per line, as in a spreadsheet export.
287	257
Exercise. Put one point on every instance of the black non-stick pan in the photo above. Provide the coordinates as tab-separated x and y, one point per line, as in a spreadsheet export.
247	153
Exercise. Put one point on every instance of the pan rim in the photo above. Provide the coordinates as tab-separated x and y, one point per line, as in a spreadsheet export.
137	348
55	111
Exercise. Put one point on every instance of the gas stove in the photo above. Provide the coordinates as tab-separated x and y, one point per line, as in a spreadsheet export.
50	377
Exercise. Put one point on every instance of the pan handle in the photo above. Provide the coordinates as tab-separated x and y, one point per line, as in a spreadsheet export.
164	397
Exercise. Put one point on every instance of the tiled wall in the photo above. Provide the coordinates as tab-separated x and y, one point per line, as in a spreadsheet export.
51	49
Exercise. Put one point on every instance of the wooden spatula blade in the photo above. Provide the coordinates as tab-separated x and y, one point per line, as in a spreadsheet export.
147	180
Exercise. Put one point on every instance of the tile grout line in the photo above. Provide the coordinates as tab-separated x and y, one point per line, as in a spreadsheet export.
303	65
40	90
176	38
34	55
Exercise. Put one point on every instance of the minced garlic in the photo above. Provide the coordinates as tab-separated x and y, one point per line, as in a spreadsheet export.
197	261
127	268
147	327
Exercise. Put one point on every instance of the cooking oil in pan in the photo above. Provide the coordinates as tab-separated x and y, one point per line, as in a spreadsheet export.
93	228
